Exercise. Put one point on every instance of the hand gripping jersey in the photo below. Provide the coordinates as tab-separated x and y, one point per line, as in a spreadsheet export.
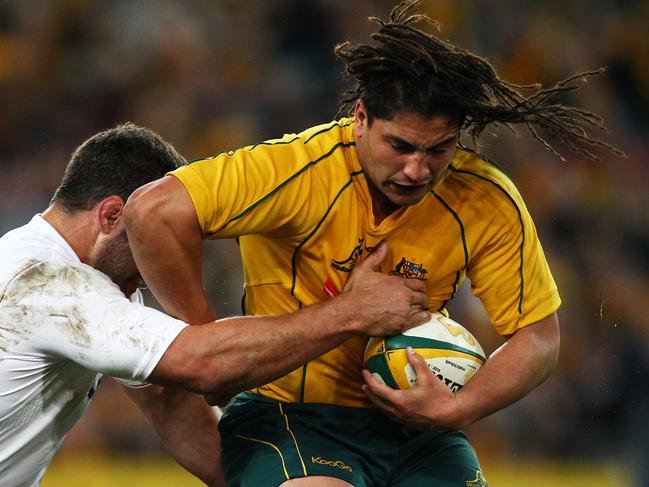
301	208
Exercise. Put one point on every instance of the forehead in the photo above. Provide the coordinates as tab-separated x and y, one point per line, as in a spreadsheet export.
416	129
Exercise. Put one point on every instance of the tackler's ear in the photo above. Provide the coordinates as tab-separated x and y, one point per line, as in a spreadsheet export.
109	213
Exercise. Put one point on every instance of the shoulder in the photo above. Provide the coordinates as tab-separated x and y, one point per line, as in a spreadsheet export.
338	132
323	154
476	180
321	146
469	165
48	301
307	147
56	279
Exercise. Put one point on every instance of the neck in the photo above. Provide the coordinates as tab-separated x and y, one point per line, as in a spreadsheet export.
75	228
381	206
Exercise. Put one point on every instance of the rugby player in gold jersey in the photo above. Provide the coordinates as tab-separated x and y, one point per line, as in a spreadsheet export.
308	207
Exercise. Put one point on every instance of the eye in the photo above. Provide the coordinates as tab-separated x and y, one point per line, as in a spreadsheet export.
401	147
441	149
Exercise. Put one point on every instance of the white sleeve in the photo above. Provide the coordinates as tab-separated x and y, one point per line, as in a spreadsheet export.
87	319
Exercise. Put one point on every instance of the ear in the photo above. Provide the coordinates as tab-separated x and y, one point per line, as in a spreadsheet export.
360	119
109	213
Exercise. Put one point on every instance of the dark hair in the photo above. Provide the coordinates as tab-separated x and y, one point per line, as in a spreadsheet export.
409	69
116	161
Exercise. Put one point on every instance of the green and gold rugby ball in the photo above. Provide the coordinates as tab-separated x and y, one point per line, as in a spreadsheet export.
451	352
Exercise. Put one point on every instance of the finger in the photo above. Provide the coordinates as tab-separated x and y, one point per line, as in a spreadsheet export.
384	406
415	285
373	260
379	389
372	384
372	378
418	318
419	299
424	375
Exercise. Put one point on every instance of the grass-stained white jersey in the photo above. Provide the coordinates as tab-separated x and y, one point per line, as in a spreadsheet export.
62	324
301	208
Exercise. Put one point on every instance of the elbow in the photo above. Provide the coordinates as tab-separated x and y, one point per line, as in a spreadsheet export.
212	378
201	360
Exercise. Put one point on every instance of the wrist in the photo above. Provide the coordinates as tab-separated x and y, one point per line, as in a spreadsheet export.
459	415
347	314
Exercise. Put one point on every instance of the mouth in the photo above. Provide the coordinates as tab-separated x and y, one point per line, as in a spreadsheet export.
409	189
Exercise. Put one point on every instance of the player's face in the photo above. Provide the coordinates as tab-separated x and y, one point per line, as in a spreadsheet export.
403	157
115	259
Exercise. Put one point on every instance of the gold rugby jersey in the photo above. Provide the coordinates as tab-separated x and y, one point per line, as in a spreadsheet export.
301	208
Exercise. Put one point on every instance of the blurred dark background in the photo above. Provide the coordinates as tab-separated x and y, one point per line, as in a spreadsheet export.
215	75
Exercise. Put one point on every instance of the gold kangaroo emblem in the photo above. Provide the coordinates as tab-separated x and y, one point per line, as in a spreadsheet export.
479	480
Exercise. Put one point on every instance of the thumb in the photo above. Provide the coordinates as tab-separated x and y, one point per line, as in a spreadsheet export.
424	374
373	260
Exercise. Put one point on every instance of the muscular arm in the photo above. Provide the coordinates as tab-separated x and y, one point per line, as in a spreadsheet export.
235	354
166	239
511	372
187	427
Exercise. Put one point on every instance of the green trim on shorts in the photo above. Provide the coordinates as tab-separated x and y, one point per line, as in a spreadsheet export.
266	442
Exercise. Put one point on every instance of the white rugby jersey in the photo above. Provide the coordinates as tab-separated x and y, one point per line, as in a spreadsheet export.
62	325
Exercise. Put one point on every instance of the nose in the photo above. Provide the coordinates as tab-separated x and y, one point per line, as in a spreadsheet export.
417	168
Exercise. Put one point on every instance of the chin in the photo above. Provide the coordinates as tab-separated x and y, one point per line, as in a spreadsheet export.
131	286
408	200
128	290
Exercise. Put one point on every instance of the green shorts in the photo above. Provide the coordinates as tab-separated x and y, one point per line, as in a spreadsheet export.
267	442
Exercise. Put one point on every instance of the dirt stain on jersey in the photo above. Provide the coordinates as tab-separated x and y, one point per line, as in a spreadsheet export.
76	326
40	289
10	334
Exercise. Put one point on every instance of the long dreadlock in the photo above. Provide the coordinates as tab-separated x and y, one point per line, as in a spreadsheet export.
409	69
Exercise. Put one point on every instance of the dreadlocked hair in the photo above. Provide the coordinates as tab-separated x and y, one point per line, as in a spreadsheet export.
409	69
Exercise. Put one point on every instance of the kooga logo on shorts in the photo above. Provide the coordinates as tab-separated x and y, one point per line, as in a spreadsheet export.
331	463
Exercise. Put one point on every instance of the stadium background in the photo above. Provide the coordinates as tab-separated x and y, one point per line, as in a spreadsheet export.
216	75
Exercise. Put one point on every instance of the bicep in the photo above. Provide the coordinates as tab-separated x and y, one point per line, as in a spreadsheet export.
545	331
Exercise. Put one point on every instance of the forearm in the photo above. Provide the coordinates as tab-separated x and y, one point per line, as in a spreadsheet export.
511	372
240	353
187	427
166	240
235	354
516	368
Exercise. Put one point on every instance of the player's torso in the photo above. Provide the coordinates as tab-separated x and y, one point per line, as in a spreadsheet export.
427	241
38	408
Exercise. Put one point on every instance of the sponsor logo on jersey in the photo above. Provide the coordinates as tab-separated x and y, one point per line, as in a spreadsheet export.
346	265
479	480
331	463
410	270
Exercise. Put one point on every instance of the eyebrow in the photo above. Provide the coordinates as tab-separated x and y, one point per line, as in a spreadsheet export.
405	143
